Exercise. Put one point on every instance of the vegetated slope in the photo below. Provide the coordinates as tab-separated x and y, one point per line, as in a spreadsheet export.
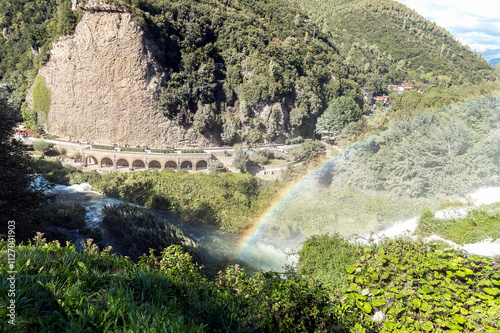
246	70
92	291
428	52
433	155
28	29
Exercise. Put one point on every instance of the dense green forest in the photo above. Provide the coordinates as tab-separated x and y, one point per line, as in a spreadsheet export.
228	60
28	30
385	36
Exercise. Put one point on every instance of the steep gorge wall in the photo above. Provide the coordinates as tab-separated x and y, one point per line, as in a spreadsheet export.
104	83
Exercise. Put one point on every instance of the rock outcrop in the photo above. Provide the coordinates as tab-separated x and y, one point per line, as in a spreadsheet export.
104	83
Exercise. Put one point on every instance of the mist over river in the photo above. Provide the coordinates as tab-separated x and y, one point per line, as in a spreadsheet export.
216	245
265	252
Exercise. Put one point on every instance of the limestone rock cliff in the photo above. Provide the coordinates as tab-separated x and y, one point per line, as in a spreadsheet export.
104	83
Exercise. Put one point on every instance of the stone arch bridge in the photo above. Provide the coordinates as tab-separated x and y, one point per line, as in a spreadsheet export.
145	161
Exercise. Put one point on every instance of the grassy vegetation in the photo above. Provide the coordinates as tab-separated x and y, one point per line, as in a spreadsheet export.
41	97
317	210
400	285
58	288
478	225
229	200
139	231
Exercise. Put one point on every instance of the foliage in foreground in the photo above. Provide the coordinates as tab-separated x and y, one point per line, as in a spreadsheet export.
18	197
58	287
404	285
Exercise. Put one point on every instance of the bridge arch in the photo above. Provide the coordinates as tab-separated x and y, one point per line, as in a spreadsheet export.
154	165
122	163
187	165
201	165
138	164
171	165
89	160
106	162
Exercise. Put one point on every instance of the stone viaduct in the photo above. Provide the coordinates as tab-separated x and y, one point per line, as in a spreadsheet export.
145	161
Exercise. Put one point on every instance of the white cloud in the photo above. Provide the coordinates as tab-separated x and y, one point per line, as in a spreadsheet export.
475	22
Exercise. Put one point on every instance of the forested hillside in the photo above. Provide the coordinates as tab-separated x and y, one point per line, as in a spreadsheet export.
28	29
384	35
254	70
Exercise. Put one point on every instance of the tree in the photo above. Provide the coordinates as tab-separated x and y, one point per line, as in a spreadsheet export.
43	146
216	167
241	158
341	112
18	197
308	150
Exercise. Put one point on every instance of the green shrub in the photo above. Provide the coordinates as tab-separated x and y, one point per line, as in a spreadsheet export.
162	151
103	147
294	141
308	150
192	151
62	215
216	167
42	146
140	150
95	234
422	289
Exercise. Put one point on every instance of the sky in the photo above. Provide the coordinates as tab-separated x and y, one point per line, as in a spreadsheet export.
474	22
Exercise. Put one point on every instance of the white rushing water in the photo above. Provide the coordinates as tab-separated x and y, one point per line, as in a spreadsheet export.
216	245
269	253
483	196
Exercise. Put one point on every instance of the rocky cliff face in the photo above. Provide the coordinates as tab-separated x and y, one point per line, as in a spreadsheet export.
104	83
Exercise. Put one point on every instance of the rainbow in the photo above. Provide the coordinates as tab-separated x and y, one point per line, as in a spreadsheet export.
255	231
281	199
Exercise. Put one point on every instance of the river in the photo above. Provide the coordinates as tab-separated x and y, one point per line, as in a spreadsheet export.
216	245
267	253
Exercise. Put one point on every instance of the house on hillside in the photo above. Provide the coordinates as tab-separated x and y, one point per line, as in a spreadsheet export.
399	88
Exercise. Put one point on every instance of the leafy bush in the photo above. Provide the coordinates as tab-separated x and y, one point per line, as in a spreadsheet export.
216	167
294	141
134	149
95	234
43	146
326	259
103	147
403	285
192	151
259	159
62	215
308	150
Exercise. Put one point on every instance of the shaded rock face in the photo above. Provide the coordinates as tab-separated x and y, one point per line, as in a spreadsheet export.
104	83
